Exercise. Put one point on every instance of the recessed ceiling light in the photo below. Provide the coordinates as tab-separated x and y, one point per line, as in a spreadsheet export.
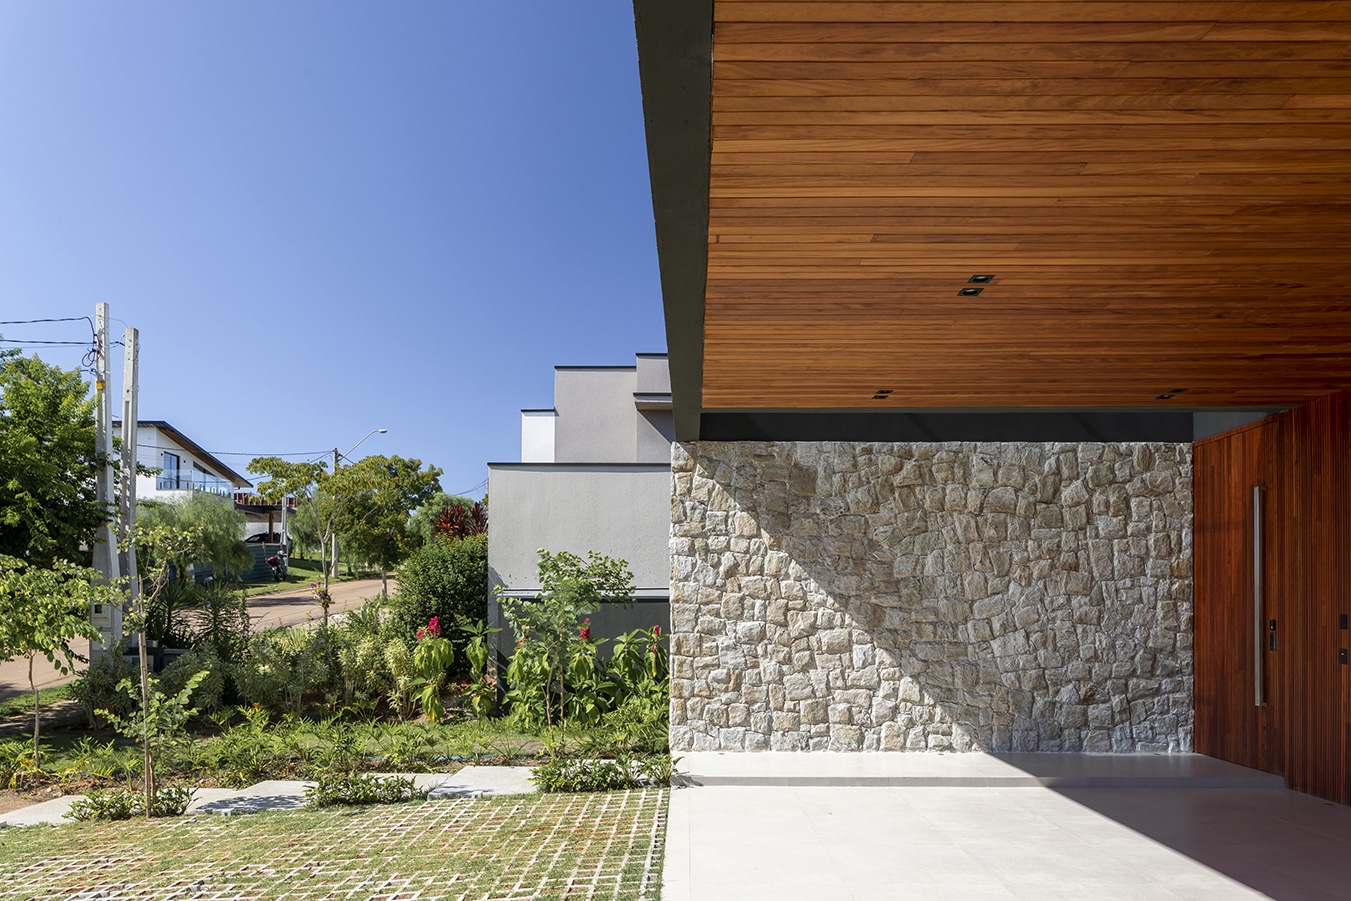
1164	397
980	279
884	390
970	292
879	397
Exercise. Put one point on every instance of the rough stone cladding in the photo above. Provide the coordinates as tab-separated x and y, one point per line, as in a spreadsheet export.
954	596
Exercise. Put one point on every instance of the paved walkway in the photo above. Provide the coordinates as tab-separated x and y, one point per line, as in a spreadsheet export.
859	827
290	607
284	794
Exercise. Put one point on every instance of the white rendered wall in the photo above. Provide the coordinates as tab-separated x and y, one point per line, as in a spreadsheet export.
537	436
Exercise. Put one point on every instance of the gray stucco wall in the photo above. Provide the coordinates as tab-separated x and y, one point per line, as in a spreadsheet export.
595	415
617	510
955	596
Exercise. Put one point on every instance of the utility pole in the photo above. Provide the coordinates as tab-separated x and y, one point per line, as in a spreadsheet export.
131	385
333	544
105	550
105	544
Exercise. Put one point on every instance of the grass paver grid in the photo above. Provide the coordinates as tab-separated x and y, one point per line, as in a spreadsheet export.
585	846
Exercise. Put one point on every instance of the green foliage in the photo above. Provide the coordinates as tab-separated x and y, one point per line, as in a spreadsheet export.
574	774
554	652
159	726
432	657
17	763
96	688
216	527
422	522
49	508
209	693
363	789
247	752
123	804
377	495
47	607
481	695
445	579
285	478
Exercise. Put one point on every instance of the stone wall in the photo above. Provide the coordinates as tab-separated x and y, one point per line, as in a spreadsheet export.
959	596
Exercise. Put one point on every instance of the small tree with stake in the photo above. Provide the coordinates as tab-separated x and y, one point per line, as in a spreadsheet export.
45	608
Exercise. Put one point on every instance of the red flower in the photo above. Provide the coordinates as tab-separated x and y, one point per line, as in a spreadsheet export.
656	631
585	634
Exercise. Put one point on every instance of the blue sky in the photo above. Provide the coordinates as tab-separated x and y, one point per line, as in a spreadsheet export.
330	217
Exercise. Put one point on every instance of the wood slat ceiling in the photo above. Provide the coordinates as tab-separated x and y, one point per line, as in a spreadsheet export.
1162	190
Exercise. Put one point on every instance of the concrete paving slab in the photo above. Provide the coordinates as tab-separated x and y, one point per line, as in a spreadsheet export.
484	781
53	811
273	794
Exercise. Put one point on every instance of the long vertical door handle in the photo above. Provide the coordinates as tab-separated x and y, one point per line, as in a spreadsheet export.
1258	699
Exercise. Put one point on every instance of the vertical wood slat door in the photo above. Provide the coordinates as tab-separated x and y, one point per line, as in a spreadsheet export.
1304	731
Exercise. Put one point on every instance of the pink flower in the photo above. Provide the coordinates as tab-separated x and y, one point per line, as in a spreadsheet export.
656	631
434	627
585	634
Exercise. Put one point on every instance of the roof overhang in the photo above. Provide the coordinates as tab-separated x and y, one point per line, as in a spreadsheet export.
1160	192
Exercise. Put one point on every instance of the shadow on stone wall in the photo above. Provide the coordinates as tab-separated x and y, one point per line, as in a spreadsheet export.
1003	597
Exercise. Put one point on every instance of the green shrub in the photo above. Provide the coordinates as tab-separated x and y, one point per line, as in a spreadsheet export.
444	578
263	675
210	691
363	789
123	804
16	763
573	774
96	687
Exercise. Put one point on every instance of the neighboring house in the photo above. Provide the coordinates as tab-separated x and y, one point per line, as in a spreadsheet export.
184	466
595	474
957	303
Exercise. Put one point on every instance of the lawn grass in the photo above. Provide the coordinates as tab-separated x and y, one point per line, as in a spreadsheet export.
23	703
607	845
300	573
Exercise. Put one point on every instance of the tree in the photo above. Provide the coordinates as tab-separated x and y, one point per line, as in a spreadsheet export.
45	608
285	479
423	520
49	507
445	578
375	496
219	527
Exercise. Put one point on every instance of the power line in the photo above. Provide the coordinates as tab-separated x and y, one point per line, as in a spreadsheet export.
32	321
23	343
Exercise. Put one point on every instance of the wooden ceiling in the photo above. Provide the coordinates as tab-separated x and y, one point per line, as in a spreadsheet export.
1162	191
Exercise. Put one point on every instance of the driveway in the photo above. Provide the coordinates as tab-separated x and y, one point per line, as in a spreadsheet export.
269	611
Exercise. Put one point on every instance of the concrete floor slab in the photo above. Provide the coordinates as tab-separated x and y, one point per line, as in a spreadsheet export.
970	770
971	839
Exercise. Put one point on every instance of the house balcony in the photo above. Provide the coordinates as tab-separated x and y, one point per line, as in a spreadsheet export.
193	481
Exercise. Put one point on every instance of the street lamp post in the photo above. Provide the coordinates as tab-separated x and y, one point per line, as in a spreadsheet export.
333	563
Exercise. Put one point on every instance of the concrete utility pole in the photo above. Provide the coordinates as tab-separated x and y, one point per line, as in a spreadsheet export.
131	386
105	544
333	542
105	550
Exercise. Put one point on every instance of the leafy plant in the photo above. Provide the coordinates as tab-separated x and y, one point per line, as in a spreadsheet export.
578	774
444	578
96	688
159	728
549	629
123	804
47	607
363	788
432	656
17	763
